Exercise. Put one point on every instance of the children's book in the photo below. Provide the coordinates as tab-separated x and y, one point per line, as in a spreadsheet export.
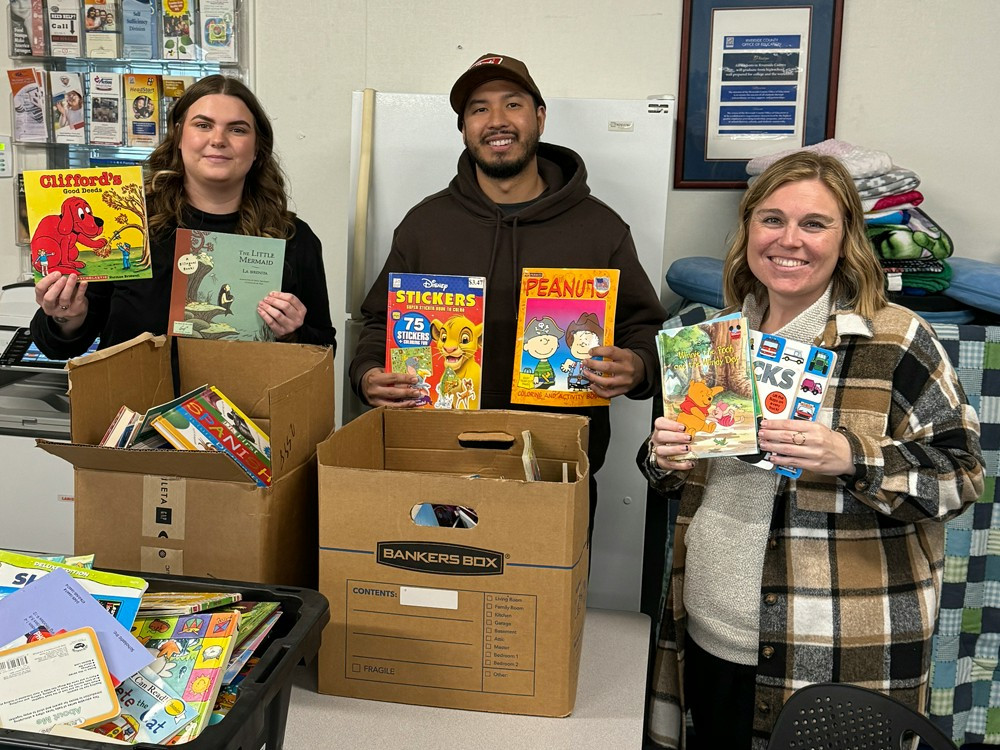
562	315
230	692
209	426
791	380
118	594
144	436
191	654
179	37
60	679
64	28
27	87
185	603
218	30
68	114
247	647
434	332
101	28
142	109
252	616
106	116
89	222
139	24
150	711
532	472
57	601
241	425
219	279
27	28
118	427
707	385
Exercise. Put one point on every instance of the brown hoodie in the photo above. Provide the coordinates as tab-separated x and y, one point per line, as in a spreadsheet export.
460	231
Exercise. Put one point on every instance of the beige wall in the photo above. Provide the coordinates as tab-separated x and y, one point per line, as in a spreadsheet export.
919	79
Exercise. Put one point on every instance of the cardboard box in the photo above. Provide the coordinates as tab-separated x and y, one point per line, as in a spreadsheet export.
489	618
190	512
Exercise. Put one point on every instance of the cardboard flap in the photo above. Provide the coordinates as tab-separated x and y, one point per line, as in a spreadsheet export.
140	378
188	464
301	410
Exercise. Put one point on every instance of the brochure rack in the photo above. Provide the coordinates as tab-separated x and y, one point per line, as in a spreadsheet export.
93	115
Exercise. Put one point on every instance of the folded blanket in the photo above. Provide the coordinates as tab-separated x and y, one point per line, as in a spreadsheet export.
919	283
920	237
859	161
911	197
913	265
893	182
888	217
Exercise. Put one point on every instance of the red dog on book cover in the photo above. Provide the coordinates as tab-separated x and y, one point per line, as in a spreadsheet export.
53	245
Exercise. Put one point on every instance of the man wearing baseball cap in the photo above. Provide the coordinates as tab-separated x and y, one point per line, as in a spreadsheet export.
516	202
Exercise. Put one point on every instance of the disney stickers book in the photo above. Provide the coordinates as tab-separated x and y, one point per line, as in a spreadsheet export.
90	222
708	386
434	331
218	281
563	313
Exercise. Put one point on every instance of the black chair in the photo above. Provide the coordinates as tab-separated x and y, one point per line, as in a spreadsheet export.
835	716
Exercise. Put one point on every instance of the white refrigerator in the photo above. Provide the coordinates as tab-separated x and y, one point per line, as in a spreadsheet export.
627	147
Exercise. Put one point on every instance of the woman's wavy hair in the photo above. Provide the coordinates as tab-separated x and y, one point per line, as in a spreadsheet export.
858	281
264	205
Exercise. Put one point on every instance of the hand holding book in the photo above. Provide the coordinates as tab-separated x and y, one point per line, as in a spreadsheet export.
798	444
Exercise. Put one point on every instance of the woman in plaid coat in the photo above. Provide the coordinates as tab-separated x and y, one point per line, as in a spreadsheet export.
835	576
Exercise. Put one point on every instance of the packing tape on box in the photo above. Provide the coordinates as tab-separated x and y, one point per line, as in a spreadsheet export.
163	504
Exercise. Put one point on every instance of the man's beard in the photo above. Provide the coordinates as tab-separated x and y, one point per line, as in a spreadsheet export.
504	168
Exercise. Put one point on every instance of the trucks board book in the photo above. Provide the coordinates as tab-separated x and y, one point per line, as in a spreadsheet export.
563	313
89	222
434	332
792	379
707	385
190	653
218	281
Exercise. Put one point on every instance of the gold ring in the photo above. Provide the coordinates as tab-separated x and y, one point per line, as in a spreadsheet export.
798	438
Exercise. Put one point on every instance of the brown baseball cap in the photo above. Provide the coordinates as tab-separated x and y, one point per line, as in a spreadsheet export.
490	67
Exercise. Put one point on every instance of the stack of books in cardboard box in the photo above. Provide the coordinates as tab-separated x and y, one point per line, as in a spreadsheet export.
202	419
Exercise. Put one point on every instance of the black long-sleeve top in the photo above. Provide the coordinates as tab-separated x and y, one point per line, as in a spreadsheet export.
121	310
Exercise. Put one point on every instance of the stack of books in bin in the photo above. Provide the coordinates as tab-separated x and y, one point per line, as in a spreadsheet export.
85	651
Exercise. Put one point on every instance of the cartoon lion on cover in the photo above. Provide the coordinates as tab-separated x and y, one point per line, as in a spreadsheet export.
458	339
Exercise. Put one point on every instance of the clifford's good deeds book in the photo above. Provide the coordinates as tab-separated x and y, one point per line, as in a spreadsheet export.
434	332
707	385
791	380
89	222
218	281
563	313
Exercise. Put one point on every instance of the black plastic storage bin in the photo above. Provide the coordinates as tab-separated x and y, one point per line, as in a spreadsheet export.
258	717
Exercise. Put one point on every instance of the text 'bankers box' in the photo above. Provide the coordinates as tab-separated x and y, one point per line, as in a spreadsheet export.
488	618
197	512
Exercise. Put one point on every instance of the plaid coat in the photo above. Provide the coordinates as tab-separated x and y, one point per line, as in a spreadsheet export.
853	566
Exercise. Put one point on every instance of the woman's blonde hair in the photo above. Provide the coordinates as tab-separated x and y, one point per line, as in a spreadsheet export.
264	205
858	280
